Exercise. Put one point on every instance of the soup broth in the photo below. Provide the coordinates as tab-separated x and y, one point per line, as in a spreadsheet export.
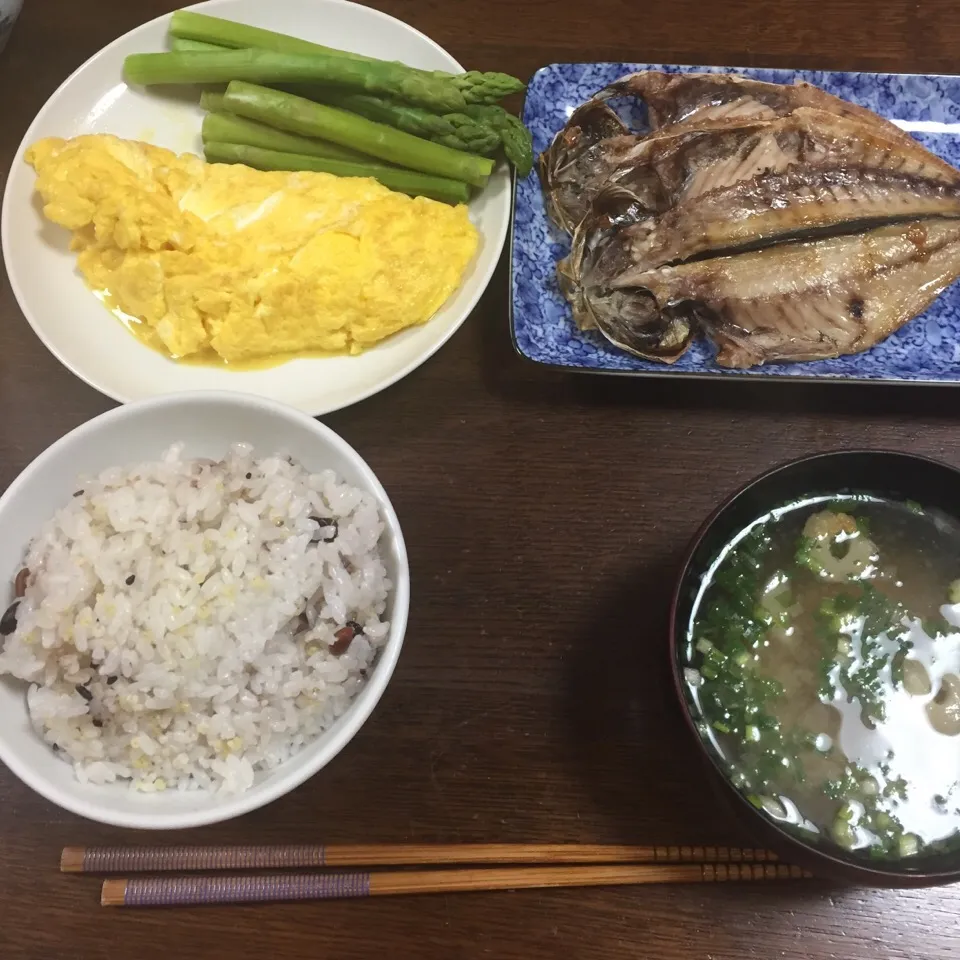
824	663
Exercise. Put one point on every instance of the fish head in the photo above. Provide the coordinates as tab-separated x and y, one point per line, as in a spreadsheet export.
600	244
579	160
631	319
605	249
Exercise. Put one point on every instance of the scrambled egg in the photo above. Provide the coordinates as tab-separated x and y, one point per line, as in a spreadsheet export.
247	263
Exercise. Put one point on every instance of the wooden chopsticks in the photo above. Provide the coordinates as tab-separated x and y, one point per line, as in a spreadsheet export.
265	888
295	856
556	865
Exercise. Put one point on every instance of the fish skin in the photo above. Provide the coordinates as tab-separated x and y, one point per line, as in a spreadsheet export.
811	300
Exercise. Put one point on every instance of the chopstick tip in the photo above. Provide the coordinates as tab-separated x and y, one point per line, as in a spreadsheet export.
71	860
113	893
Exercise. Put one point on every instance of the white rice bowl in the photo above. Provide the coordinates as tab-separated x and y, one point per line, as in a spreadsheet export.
204	627
180	622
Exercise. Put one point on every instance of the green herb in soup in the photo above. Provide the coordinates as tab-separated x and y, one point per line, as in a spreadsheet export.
824	663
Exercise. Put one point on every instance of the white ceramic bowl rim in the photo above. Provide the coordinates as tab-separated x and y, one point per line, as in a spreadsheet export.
296	770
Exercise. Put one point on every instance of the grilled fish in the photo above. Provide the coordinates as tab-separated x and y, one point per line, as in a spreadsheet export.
804	201
699	97
686	159
595	141
807	300
595	144
763	182
741	183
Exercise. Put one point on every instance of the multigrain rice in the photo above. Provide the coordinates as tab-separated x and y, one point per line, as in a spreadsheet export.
183	621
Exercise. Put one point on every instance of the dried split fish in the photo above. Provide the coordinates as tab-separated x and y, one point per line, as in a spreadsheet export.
809	300
735	178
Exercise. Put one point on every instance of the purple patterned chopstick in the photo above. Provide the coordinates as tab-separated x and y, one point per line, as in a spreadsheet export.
187	891
143	859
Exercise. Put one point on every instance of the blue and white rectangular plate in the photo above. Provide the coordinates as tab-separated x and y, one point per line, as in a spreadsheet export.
925	350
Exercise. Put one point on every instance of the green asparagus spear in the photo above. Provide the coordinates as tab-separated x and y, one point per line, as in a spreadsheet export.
228	128
212	102
421	123
226	33
298	115
403	181
180	45
469	135
476	87
455	130
266	66
517	140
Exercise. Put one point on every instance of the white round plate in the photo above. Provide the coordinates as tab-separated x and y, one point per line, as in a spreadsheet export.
88	340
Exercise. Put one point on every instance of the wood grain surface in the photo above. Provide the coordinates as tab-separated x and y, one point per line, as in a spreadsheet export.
545	515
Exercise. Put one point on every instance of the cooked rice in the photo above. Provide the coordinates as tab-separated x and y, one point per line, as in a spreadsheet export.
179	627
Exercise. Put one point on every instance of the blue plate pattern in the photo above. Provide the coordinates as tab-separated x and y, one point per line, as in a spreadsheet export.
925	350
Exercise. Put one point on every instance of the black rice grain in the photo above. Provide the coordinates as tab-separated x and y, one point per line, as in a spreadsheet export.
8	622
323	530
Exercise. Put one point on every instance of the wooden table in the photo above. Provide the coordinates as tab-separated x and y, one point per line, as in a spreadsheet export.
545	516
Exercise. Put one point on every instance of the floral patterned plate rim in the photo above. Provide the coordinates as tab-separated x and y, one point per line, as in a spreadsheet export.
924	351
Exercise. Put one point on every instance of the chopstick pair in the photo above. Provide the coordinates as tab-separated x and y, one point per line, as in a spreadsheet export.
557	865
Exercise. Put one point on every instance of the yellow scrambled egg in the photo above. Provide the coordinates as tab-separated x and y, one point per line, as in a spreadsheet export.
246	263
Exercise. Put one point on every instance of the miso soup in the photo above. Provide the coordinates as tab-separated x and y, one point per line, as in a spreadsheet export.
824	664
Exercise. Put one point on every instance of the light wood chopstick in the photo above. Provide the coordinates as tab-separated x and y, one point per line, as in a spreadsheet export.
266	888
299	856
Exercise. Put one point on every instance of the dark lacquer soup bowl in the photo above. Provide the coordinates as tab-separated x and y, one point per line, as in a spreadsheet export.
815	649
